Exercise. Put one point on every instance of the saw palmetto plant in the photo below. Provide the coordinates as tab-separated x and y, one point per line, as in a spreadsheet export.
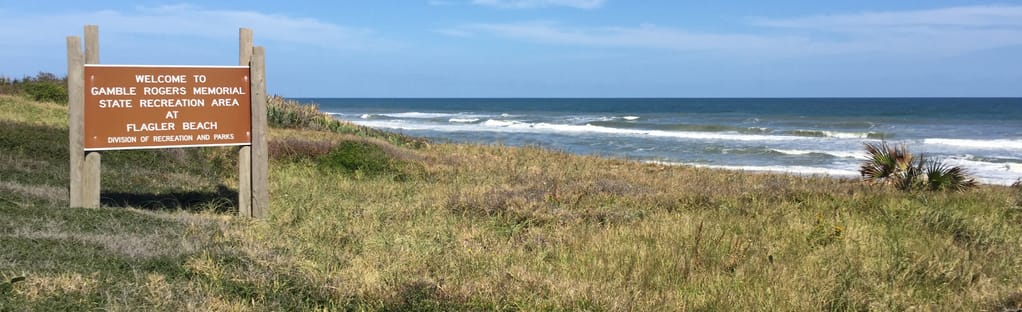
942	177
886	164
895	165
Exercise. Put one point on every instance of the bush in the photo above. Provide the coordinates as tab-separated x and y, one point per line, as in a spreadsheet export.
44	86
294	149
284	113
358	157
46	91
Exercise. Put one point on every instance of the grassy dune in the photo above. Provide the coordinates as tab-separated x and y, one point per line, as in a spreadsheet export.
366	220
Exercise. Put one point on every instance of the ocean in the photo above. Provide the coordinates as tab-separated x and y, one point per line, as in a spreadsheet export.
793	135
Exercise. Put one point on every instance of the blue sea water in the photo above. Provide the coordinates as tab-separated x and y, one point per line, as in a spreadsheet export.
794	135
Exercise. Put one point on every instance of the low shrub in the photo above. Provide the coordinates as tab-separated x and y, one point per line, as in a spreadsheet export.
44	87
358	157
46	91
294	149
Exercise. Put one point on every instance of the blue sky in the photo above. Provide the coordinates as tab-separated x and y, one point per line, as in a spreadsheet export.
553	48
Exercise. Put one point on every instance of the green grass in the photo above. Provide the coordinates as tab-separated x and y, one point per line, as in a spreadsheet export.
467	227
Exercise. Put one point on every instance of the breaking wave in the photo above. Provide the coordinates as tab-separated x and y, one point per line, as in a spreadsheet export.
981	144
840	135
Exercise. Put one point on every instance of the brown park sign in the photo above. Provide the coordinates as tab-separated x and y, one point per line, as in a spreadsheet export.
136	107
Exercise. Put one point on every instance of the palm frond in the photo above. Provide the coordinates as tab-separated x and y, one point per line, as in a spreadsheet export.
886	164
895	165
943	177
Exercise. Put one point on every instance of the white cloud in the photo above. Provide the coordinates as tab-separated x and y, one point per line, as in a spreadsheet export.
925	33
953	17
642	36
939	32
528	4
186	20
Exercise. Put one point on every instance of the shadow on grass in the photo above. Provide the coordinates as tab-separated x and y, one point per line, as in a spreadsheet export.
112	274
223	201
37	155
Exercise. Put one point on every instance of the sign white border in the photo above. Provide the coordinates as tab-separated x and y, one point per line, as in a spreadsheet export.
88	149
167	66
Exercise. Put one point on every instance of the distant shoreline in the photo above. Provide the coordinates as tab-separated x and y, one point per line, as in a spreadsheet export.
801	136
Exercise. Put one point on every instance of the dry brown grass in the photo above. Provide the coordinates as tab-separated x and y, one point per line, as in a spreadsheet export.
502	226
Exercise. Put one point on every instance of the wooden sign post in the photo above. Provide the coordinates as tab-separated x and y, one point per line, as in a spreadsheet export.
118	107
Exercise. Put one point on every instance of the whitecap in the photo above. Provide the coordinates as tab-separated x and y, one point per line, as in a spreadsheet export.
500	123
463	120
798	170
525	127
837	134
838	154
793	152
1001	173
981	144
419	115
847	135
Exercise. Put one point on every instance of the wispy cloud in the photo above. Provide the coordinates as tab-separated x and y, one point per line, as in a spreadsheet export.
642	36
952	17
187	20
529	4
937	32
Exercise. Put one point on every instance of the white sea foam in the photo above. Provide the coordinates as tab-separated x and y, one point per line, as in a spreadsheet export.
592	129
583	119
1007	167
1002	173
799	170
498	125
835	134
463	120
847	135
839	154
793	152
849	154
365	116
418	115
586	119
981	144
